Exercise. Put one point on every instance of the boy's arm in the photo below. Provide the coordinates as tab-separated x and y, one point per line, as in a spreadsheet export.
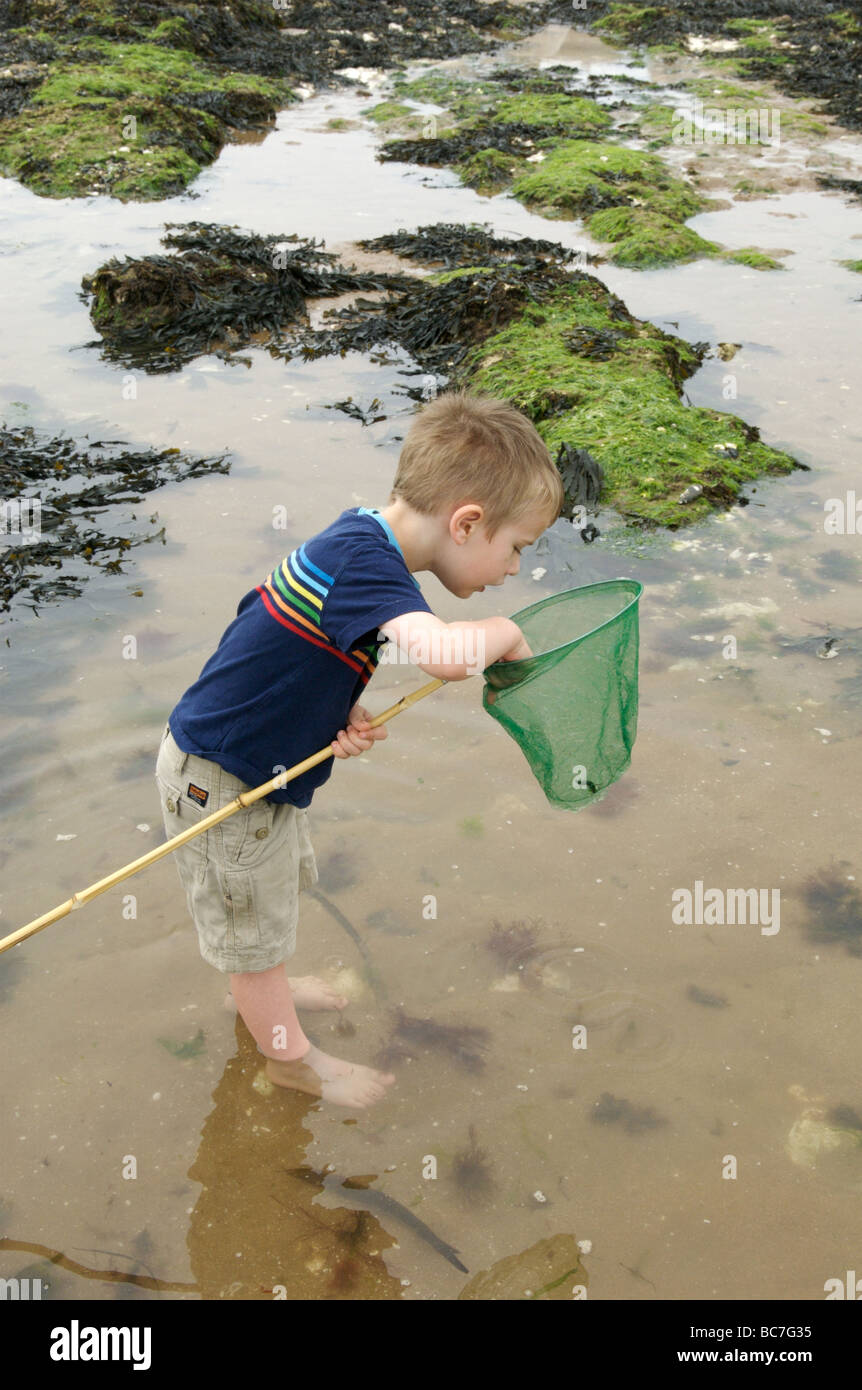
453	651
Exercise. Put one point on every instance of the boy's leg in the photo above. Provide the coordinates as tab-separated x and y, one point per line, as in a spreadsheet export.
242	880
265	1001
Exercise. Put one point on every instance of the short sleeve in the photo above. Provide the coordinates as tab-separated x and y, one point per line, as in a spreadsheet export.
373	586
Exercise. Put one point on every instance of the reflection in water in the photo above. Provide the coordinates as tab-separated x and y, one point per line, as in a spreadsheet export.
255	1231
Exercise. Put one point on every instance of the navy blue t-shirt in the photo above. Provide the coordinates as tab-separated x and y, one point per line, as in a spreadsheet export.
298	654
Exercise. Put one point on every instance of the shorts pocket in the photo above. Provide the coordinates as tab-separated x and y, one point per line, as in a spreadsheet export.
180	813
246	836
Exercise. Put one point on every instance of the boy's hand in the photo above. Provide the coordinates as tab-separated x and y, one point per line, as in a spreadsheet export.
358	737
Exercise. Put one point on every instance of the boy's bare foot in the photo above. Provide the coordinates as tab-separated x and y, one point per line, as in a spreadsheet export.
309	992
340	1083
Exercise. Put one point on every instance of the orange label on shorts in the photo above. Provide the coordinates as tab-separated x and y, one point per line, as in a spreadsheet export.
197	794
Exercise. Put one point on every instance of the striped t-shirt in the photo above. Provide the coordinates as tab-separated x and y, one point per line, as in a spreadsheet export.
298	655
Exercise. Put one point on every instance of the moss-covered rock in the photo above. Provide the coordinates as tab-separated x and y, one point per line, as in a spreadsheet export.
136	121
643	240
489	171
624	408
584	176
757	260
386	111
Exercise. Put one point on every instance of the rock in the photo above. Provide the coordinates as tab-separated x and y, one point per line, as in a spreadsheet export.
548	1270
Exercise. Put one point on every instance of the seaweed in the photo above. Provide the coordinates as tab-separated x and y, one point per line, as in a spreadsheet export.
192	73
809	48
193	1047
513	945
37	468
437	324
851	186
453	245
583	476
463	1042
835	905
703	996
472	1171
845	1117
158	312
612	1110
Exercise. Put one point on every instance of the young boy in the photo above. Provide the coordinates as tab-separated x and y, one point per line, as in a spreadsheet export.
474	485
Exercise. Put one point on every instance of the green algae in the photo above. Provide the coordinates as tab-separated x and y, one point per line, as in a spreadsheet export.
489	171
625	22
655	123
132	121
746	188
644	240
708	87
184	1050
582	176
852	265
444	276
463	98
556	111
386	111
757	260
626	411
627	197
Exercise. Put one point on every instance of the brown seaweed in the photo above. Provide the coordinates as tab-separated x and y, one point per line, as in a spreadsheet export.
451	244
463	1042
472	1171
54	534
612	1110
513	945
835	907
222	286
703	996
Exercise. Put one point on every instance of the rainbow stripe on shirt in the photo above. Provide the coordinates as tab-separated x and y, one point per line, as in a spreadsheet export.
294	594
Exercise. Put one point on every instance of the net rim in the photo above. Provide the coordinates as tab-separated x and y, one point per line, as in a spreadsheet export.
517	671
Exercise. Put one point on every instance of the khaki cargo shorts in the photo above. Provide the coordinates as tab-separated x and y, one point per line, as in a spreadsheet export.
243	876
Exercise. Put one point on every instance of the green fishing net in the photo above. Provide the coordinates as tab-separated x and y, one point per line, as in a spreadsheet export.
572	706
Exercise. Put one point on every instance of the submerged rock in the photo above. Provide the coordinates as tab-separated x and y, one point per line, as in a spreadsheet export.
551	1270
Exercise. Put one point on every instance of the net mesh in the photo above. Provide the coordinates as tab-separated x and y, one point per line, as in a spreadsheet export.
572	707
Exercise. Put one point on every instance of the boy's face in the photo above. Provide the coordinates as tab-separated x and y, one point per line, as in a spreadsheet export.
472	561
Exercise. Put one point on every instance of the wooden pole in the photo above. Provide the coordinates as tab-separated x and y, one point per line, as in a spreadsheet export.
244	799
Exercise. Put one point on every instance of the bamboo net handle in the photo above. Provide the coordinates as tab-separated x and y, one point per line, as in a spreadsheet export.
244	799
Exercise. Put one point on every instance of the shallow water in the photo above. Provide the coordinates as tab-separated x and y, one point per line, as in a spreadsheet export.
743	775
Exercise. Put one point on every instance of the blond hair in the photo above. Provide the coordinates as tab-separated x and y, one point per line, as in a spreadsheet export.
467	448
